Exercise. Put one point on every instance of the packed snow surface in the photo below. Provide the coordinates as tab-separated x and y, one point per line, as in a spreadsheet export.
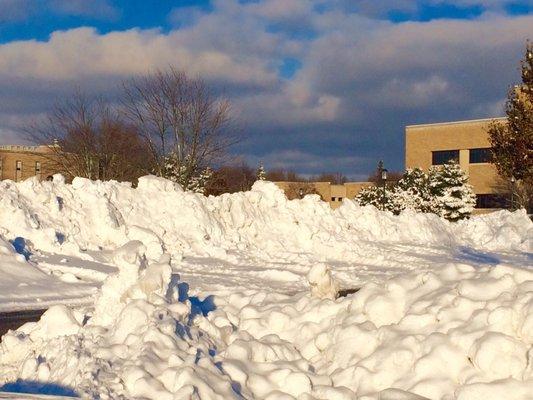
188	297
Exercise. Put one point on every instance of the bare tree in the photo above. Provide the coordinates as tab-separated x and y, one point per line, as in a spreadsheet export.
87	138
178	117
336	178
235	177
297	190
280	175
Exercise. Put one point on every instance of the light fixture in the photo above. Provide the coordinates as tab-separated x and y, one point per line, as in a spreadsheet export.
384	174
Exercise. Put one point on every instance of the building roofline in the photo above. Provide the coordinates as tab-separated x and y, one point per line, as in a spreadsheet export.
468	121
332	184
24	148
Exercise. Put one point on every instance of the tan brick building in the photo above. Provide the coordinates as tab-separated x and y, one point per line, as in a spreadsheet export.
333	194
18	162
464	141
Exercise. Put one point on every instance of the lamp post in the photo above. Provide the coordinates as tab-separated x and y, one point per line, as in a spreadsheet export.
384	180
513	180
301	193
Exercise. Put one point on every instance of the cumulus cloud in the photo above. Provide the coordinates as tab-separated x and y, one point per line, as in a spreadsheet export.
83	52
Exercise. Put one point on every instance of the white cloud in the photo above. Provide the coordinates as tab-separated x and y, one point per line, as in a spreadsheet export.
82	52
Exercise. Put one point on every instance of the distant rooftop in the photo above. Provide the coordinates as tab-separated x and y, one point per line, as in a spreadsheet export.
468	121
21	147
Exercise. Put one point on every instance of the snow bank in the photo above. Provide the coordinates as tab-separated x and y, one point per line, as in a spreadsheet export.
459	329
456	333
90	215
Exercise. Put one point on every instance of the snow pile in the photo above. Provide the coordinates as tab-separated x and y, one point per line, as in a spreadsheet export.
456	333
91	215
138	343
455	324
322	284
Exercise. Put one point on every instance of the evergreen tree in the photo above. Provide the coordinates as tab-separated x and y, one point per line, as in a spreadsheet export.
454	197
444	191
198	183
512	142
378	197
414	192
261	173
180	172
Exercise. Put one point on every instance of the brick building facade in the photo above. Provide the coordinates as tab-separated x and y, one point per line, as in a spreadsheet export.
18	162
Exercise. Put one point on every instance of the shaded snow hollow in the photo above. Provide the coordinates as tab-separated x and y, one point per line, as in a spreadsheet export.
449	316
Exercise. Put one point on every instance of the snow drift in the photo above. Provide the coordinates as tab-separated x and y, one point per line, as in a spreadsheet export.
90	215
459	328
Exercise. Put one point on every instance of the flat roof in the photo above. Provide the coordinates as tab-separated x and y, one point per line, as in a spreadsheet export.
468	121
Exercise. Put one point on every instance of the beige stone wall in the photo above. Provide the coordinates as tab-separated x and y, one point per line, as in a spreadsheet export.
28	156
422	140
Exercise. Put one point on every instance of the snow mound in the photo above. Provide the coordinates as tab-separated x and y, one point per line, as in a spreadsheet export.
322	283
89	215
458	330
423	335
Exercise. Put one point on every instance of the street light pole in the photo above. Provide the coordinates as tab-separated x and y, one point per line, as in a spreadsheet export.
513	180
384	179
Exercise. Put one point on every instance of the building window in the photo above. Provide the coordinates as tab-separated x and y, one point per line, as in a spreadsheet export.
478	156
18	170
491	200
38	169
333	199
444	156
340	198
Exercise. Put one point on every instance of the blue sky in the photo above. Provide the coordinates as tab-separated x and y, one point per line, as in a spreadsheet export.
316	85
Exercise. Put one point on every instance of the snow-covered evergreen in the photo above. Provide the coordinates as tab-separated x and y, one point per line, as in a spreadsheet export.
261	173
413	192
444	191
449	186
181	173
377	196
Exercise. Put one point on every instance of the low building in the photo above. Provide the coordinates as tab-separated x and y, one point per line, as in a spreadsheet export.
332	193
18	162
466	142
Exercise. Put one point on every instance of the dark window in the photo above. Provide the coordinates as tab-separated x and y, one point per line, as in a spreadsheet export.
480	156
444	156
333	199
491	201
340	198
